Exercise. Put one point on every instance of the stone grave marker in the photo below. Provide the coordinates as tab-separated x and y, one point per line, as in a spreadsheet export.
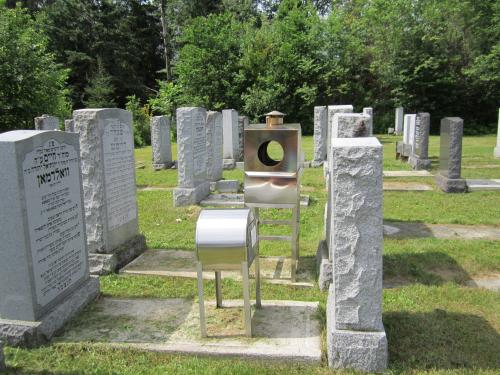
419	158
347	125
448	177
160	142
69	125
403	149
191	156
369	111
398	125
355	334
320	135
332	110
496	152
46	122
214	145
108	170
230	137
243	121
44	272
2	357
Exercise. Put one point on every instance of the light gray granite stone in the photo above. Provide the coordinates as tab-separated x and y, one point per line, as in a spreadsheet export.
496	151
214	145
42	231
332	110
230	134
419	158
320	135
2	357
69	125
355	333
160	142
398	123
227	186
348	125
369	111
390	131
108	170
243	122
323	266
193	185
46	122
449	177
34	333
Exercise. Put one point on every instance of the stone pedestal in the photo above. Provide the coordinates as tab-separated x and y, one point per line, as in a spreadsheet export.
46	122
419	158
108	171
44	271
355	333
213	128
160	142
230	149
320	135
398	123
448	178
193	185
496	151
369	111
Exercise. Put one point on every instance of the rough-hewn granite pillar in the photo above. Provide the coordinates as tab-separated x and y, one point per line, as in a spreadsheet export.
214	145
369	111
320	135
419	158
46	122
160	142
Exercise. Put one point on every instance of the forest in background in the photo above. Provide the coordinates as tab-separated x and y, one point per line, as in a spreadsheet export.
152	56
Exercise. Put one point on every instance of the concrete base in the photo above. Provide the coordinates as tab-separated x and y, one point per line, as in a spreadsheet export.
450	185
406	186
324	268
31	334
281	330
496	152
228	163
159	167
104	264
225	186
480	185
419	164
422	173
191	196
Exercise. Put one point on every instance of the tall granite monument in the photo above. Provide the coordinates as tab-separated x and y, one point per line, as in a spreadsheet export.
69	125
332	110
160	142
419	158
398	123
448	177
214	145
46	122
44	271
231	138
369	111
108	170
320	135
243	122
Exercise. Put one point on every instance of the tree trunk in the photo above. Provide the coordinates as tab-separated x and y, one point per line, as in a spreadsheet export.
164	34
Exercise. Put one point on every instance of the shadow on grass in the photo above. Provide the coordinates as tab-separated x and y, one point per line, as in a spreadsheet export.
431	268
441	340
400	229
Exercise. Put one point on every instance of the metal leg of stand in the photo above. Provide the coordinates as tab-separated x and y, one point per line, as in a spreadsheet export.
203	328
246	300
218	292
258	303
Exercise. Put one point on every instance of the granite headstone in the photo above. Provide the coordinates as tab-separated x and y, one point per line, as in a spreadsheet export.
419	158
230	136
214	145
320	135
496	151
160	142
46	122
398	125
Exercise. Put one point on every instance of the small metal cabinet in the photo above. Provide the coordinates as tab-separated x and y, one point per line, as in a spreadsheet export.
226	240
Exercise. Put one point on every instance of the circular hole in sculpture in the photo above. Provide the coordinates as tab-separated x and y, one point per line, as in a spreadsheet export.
271	153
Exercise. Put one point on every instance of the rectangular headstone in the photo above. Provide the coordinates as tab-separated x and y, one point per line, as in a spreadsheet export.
214	145
69	125
43	245
355	333
230	134
398	126
332	110
191	156
160	142
348	125
496	151
108	169
450	156
46	122
243	121
419	159
320	134
369	111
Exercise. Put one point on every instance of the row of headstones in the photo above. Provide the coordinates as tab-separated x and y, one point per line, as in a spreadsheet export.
337	120
350	259
207	143
69	208
415	145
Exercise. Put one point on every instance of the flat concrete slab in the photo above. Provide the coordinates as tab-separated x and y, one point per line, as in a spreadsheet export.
453	231
181	263
406	186
479	185
490	283
237	200
407	174
282	330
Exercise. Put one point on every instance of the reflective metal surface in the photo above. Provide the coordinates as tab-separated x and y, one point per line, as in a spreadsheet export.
225	238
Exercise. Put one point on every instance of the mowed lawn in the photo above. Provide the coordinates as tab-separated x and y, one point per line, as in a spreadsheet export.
435	323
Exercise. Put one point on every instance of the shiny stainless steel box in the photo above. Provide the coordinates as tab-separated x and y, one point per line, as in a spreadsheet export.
269	181
225	238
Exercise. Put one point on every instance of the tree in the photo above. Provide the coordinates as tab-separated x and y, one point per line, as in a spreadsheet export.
31	82
100	92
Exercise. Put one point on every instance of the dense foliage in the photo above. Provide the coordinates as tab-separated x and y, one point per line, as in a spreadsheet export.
442	57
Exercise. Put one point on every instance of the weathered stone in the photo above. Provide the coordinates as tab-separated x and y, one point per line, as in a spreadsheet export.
398	126
348	125
243	122
448	178
2	358
230	134
369	111
496	152
419	158
213	128
323	266
227	186
355	333
160	142
69	125
320	135
46	122
108	170
332	110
